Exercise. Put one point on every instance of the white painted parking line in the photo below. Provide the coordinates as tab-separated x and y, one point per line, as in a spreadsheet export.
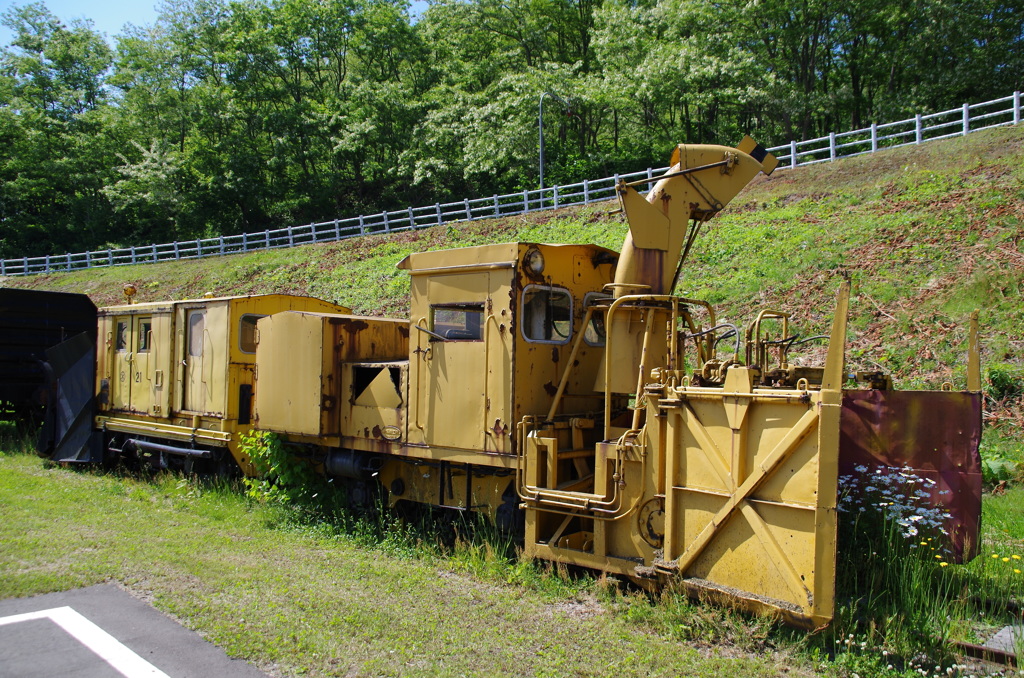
108	648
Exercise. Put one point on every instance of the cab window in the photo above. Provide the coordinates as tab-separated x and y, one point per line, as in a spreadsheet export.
196	323
458	322
247	332
546	314
121	335
593	334
145	334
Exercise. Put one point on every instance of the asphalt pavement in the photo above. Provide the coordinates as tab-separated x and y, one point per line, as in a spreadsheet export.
104	632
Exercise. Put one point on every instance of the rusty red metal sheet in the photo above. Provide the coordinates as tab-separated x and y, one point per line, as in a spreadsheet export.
935	433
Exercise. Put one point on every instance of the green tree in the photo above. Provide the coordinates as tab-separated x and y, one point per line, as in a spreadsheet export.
54	117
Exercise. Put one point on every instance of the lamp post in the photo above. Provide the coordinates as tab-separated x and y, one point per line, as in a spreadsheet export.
540	130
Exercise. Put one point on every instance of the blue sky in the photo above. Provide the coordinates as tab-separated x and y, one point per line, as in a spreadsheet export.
110	16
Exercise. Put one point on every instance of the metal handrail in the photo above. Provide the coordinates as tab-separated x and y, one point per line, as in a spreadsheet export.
918	129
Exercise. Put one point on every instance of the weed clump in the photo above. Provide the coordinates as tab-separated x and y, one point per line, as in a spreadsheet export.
901	603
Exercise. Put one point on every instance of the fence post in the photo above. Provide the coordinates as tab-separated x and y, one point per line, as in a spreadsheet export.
155	257
874	137
437	207
387	223
497	207
362	226
221	244
3	267
1016	107
199	249
266	239
291	237
337	230
312	231
24	266
831	146
469	212
967	119
918	132
526	201
245	242
412	220
69	259
177	254
650	177
586	192
555	190
47	264
133	254
110	257
792	154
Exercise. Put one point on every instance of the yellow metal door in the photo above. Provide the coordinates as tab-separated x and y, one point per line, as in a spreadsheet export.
460	375
121	379
194	391
455	374
141	399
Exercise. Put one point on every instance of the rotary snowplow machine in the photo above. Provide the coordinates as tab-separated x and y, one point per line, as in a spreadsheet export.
568	387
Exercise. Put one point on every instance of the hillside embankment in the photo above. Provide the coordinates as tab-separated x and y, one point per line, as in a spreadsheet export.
927	234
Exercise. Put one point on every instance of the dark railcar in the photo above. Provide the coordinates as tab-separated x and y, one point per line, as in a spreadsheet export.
31	322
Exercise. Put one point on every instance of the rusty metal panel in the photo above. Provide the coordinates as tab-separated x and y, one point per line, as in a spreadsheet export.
300	387
937	434
374	405
360	338
750	504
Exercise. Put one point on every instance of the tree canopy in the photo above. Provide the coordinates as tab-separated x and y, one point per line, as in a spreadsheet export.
224	117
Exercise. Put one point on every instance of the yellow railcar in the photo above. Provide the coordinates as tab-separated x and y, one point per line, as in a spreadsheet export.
175	379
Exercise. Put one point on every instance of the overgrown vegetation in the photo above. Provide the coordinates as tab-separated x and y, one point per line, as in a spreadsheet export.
900	603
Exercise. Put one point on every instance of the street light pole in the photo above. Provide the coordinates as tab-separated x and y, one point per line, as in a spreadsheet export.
540	130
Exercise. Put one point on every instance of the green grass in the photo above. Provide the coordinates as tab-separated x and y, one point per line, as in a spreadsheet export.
323	599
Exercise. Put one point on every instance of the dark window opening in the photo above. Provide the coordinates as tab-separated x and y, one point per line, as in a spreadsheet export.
122	335
145	335
247	332
244	403
594	332
547	314
458	322
362	377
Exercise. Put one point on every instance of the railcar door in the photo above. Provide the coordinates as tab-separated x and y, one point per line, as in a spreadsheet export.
121	381
142	398
193	387
461	379
132	387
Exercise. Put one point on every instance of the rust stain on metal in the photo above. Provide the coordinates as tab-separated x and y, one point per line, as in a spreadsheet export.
934	433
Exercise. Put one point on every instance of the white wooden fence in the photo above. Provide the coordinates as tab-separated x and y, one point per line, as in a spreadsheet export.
955	122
